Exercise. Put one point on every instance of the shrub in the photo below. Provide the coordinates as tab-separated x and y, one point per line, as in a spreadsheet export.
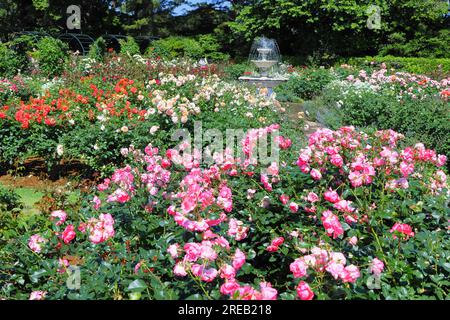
428	66
129	46
234	71
211	47
10	62
410	104
9	200
345	222
305	84
98	49
204	46
175	47
51	55
420	46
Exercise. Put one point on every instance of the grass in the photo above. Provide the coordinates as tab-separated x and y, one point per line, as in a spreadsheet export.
29	198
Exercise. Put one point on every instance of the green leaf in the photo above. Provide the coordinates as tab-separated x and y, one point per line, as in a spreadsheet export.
137	285
37	274
195	297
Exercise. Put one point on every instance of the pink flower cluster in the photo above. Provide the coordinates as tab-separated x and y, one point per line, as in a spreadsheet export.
331	224
155	177
38	295
352	156
321	260
60	215
199	258
410	85
250	141
203	194
376	266
402	228
275	244
35	243
246	292
100	229
237	230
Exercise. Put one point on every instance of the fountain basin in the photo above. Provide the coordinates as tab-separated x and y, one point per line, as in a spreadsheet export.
264	64
264	82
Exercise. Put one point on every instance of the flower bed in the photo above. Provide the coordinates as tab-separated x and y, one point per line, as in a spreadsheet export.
350	216
93	118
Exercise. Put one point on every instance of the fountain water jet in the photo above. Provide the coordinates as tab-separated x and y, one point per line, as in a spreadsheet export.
265	55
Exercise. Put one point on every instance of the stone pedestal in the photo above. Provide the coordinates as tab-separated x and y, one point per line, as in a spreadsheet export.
264	82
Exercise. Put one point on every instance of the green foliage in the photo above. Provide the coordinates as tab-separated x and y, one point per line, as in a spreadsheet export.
304	85
413	65
235	70
175	47
9	200
205	46
340	27
129	46
432	46
10	62
98	49
211	47
51	55
426	120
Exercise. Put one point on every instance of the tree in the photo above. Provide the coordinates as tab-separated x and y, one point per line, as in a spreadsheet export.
337	26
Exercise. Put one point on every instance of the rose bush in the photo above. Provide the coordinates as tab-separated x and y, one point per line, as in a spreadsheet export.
350	216
90	118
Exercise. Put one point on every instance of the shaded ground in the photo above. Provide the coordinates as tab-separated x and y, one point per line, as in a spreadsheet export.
35	185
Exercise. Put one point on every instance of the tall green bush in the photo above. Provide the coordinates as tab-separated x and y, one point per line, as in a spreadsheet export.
98	49
10	62
413	65
51	55
129	46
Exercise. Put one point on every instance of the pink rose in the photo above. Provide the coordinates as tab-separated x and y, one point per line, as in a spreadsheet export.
335	269
353	241
227	272
35	243
38	295
179	270
284	199
208	253
229	287
402	228
344	206
315	174
60	215
238	259
376	266
68	234
277	241
331	196
331	224
293	207
312	197
350	274
298	268
173	250
267	292
304	292
336	160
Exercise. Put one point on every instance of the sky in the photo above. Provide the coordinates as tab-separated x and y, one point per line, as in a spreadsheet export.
182	9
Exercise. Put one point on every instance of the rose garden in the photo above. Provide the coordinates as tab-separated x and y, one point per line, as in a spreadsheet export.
148	174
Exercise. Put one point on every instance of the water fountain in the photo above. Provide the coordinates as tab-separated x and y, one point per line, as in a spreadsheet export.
265	55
